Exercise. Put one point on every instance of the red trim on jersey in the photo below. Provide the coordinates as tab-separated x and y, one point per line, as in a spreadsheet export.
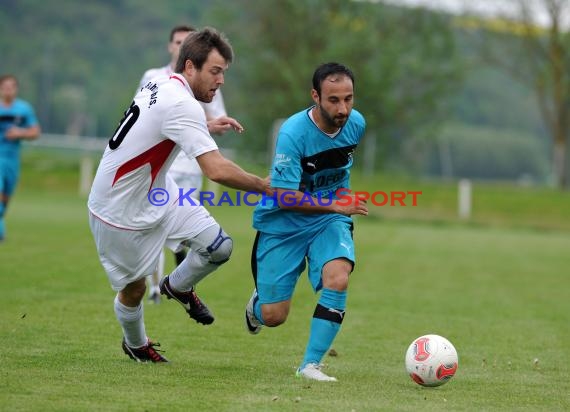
112	225
155	156
179	79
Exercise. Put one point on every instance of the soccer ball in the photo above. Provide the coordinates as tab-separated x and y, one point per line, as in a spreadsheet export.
431	360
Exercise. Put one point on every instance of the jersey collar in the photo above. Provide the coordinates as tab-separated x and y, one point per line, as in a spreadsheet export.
312	119
178	78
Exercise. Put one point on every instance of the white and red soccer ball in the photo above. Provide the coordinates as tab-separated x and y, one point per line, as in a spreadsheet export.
431	360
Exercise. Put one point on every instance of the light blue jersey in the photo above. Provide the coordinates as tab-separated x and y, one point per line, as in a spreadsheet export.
19	114
308	160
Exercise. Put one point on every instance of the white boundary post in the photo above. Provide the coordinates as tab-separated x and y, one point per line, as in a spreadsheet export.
464	199
85	175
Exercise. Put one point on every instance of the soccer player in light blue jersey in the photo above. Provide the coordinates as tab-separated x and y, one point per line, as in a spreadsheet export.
304	223
17	122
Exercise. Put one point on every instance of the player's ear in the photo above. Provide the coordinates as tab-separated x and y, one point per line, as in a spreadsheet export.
188	65
315	96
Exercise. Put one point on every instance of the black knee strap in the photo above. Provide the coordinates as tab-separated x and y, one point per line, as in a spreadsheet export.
333	315
215	245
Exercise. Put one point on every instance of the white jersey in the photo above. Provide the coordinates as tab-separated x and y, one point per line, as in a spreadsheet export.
163	118
183	165
214	109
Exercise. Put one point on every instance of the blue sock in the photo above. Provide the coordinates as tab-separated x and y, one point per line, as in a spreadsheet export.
326	322
2	228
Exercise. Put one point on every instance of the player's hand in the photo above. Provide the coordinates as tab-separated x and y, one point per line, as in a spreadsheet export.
269	191
356	206
13	133
222	124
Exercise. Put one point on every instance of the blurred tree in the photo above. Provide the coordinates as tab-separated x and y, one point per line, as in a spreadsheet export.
535	33
488	153
404	60
98	50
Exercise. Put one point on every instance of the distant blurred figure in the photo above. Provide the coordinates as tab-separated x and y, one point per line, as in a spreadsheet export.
185	171
17	122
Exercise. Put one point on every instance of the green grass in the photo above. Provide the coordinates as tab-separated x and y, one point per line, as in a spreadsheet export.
498	289
493	204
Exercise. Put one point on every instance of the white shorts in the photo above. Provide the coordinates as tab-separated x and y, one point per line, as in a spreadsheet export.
129	255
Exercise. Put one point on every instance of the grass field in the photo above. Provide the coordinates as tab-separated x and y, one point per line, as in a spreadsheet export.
497	287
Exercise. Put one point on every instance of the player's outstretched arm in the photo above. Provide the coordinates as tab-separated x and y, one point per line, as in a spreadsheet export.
223	171
300	202
24	133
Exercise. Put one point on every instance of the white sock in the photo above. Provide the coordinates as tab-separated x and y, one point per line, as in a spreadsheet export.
132	323
196	266
193	269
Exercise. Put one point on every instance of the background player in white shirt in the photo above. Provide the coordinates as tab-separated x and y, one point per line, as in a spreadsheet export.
185	171
135	206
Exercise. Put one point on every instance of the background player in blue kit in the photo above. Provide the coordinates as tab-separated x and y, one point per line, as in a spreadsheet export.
17	122
313	155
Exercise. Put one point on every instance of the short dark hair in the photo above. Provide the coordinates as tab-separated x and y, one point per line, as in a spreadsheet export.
182	27
199	44
5	77
325	70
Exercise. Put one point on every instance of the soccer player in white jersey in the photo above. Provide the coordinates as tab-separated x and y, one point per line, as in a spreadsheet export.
313	158
135	208
184	170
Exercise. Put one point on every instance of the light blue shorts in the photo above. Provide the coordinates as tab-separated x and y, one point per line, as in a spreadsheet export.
278	260
9	174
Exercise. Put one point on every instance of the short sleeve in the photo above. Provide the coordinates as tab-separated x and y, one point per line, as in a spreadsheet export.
186	125
286	169
30	117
